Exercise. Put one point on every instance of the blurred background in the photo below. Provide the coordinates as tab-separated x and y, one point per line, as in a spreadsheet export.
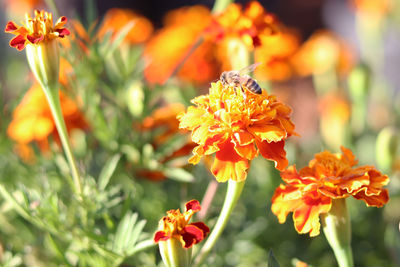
335	62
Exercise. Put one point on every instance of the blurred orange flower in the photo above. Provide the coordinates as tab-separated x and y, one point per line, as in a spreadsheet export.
168	47
209	36
310	192
36	30
176	225
249	24
335	115
236	128
22	6
322	52
116	18
163	121
275	54
32	119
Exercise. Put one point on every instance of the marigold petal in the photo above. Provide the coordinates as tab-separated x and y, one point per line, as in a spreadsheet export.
193	205
274	151
160	236
18	42
248	151
349	156
281	206
243	138
229	165
374	200
10	27
306	216
35	39
191	235
63	32
270	133
191	119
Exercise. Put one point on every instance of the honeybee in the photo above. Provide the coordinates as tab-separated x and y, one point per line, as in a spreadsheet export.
236	78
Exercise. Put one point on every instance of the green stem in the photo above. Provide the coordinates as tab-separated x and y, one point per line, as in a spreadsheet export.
53	99
337	230
220	5
232	196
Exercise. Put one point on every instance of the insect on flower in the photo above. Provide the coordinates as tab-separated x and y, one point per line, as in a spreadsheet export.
238	78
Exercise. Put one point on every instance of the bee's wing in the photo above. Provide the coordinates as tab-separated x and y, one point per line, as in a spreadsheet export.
250	68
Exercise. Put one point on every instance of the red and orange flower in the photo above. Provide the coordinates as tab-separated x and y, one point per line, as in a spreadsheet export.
310	192
176	225
236	126
36	30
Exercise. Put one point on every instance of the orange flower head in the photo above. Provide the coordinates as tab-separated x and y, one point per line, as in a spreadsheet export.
36	30
32	119
169	46
310	192
322	52
276	53
116	18
236	126
176	225
247	24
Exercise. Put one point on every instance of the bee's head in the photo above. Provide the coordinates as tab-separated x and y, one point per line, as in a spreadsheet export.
223	77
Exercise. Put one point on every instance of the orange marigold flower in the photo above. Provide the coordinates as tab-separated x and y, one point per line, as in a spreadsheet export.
168	47
236	125
36	30
116	18
321	52
248	24
32	119
176	225
310	192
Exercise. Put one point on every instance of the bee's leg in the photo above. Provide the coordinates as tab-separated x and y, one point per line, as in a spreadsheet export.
243	92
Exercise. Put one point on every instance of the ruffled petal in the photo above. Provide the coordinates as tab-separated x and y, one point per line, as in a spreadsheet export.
306	215
268	132
228	164
274	151
160	236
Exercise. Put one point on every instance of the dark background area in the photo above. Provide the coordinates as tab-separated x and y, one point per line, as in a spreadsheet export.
305	15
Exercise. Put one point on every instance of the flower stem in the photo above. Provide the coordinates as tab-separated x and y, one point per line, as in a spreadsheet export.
220	5
52	95
337	229
232	196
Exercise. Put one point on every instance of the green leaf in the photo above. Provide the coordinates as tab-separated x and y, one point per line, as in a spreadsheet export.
180	175
272	262
127	234
109	50
108	171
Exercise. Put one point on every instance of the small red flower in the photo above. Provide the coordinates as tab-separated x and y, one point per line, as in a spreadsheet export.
176	225
36	30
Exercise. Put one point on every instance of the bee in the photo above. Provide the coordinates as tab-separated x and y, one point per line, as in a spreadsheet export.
236	78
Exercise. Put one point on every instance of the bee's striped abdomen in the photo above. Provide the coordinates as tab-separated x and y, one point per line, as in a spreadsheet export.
253	86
